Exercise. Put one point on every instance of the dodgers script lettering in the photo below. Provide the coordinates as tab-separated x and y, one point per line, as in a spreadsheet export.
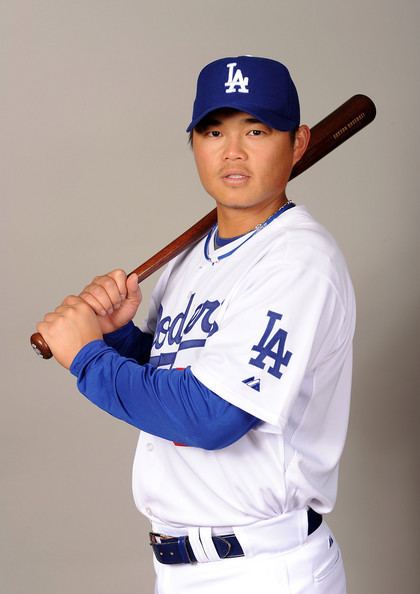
173	330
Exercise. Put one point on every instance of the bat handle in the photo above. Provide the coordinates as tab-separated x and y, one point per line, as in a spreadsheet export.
40	346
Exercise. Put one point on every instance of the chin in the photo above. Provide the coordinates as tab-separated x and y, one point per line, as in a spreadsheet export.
235	200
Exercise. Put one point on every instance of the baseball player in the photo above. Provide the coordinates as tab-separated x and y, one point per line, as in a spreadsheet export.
239	378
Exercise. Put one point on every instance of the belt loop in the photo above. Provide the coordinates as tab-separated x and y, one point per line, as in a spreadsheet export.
208	544
197	547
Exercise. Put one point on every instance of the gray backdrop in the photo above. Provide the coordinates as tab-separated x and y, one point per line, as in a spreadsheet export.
96	173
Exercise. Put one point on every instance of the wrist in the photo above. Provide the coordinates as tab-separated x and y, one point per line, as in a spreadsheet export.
88	352
120	331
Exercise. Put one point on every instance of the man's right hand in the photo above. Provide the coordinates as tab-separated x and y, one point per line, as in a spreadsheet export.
114	298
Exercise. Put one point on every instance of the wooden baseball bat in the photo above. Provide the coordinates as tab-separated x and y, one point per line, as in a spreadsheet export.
353	115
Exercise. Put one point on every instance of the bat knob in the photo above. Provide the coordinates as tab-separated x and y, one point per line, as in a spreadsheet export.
40	347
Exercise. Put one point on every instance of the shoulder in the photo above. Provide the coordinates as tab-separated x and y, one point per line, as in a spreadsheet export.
299	250
303	241
304	233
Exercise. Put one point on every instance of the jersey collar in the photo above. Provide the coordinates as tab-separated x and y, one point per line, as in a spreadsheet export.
214	255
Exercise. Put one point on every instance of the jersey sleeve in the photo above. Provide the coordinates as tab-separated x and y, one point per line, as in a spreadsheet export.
285	332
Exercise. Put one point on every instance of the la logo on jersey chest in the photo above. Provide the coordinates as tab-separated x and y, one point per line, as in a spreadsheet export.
236	81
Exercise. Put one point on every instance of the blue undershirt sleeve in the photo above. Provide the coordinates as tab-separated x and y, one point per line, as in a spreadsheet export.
130	341
168	403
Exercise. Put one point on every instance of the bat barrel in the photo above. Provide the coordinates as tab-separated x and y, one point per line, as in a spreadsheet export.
340	125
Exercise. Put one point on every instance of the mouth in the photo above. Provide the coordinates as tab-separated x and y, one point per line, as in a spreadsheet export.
235	178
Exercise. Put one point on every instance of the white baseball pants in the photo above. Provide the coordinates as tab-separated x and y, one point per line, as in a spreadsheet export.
314	567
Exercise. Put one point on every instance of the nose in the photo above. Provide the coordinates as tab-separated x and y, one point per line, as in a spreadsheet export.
233	149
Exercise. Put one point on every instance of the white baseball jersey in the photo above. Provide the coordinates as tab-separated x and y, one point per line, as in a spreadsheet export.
266	322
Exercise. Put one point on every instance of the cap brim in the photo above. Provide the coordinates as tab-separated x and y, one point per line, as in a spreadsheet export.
264	115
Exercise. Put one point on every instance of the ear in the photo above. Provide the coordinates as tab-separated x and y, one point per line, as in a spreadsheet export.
301	142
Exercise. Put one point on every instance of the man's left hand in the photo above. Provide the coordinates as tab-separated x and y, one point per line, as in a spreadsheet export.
69	328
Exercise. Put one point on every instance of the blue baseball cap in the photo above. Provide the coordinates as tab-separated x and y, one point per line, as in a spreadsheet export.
259	86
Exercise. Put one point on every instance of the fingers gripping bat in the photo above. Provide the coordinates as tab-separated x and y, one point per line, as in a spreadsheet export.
353	115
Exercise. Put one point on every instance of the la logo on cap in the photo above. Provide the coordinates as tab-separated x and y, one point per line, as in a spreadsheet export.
236	79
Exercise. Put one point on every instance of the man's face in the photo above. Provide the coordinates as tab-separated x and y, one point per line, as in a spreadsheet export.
243	163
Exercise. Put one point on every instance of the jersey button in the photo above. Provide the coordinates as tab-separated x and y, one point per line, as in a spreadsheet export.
148	511
149	447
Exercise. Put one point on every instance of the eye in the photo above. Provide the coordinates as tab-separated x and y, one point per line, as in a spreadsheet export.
213	133
256	132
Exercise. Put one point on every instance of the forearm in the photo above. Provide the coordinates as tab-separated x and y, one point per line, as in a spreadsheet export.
171	404
129	341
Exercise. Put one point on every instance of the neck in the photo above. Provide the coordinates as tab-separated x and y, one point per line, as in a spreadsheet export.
233	222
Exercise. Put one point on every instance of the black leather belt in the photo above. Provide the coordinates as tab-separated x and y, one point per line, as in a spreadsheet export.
177	549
